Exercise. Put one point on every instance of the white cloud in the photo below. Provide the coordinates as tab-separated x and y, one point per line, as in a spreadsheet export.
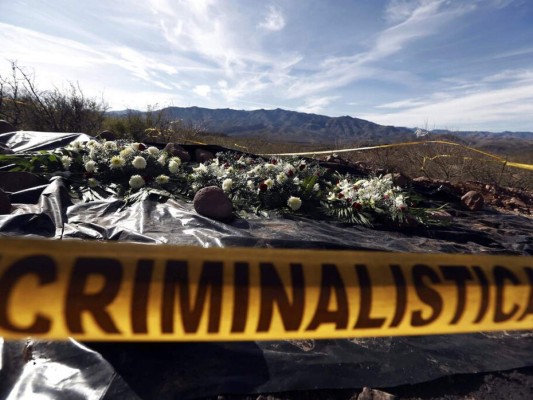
488	108
274	20
317	104
202	90
419	19
399	10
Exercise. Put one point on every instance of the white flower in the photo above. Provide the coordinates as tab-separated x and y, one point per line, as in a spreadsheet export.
116	162
110	145
316	187
136	182
227	184
139	162
294	203
90	166
250	185
269	182
66	161
153	151
92	182
399	201
177	160
270	167
75	146
201	169
162	179
289	170
173	166
92	143
256	170
126	152
135	146
162	159
281	177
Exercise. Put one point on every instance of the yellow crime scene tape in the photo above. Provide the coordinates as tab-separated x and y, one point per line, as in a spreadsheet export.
384	146
140	292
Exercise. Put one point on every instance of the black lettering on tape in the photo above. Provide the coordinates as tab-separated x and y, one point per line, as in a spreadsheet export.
484	287
529	308
140	295
273	292
211	278
501	274
242	294
331	282
46	271
426	294
364	320
401	295
78	301
458	274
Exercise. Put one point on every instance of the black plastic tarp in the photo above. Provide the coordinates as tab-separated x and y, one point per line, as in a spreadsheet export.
71	370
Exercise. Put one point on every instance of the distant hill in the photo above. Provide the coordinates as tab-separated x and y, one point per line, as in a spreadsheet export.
297	127
283	125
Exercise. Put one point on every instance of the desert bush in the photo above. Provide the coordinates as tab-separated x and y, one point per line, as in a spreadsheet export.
58	110
152	125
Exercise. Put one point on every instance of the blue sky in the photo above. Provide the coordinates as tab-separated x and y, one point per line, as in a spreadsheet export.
452	64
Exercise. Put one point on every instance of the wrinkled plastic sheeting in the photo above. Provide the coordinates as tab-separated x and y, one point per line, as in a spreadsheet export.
56	370
54	215
68	370
23	141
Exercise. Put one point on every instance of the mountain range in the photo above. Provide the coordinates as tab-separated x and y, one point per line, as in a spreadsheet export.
292	126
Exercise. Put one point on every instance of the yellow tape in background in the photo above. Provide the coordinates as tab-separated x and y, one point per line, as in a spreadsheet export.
384	146
113	291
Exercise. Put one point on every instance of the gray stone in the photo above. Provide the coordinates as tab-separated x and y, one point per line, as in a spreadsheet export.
473	200
5	203
16	181
515	202
107	135
202	155
213	203
6	127
373	394
175	150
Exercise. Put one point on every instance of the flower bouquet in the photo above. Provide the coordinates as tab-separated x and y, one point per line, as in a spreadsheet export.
132	171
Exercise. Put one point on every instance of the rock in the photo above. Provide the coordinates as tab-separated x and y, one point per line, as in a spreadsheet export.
473	200
202	155
107	135
6	127
5	203
421	179
213	203
16	181
5	150
175	150
517	203
373	394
